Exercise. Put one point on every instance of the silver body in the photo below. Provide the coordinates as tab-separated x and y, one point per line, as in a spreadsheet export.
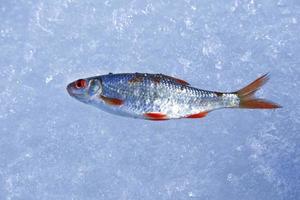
159	94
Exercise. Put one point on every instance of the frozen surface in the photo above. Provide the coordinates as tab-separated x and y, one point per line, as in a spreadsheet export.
54	147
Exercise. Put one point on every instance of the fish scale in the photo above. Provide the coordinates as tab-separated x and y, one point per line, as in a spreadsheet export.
160	97
166	96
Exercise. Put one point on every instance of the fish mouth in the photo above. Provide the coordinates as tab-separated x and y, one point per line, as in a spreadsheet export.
69	89
73	93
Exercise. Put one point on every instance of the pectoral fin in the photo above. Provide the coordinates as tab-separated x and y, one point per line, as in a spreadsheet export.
111	101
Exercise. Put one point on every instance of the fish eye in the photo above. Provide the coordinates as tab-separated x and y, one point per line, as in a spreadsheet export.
81	83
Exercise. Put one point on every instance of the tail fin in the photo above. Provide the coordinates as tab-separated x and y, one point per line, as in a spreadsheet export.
247	95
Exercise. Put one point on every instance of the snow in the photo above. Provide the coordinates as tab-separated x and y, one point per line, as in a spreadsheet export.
54	147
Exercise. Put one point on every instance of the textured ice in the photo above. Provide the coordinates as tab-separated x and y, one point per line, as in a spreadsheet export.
53	147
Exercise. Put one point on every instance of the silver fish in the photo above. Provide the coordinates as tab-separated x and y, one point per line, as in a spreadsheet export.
161	97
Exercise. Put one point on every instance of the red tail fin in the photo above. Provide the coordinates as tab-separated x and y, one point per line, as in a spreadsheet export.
248	100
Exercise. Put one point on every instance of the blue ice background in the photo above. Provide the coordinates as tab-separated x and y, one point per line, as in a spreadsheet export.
54	147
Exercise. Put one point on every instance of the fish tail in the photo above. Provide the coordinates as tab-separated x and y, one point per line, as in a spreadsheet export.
247	95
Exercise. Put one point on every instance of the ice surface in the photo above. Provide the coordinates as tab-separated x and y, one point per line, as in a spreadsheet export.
54	147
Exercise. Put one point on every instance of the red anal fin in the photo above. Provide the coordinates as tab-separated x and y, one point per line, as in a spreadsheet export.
179	81
197	115
156	116
112	101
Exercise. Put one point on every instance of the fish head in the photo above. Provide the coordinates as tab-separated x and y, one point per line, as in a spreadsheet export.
85	89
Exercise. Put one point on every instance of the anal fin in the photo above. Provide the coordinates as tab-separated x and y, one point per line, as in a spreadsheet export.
197	115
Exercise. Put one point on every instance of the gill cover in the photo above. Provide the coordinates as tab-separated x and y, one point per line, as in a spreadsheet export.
94	87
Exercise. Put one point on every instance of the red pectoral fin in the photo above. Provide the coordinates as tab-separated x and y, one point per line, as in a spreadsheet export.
112	101
197	115
155	116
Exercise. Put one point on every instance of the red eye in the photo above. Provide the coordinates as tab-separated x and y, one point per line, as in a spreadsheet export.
81	83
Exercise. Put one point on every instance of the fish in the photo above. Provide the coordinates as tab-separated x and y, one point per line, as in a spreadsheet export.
161	97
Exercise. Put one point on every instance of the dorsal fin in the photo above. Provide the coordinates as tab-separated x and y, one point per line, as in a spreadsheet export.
177	80
137	78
